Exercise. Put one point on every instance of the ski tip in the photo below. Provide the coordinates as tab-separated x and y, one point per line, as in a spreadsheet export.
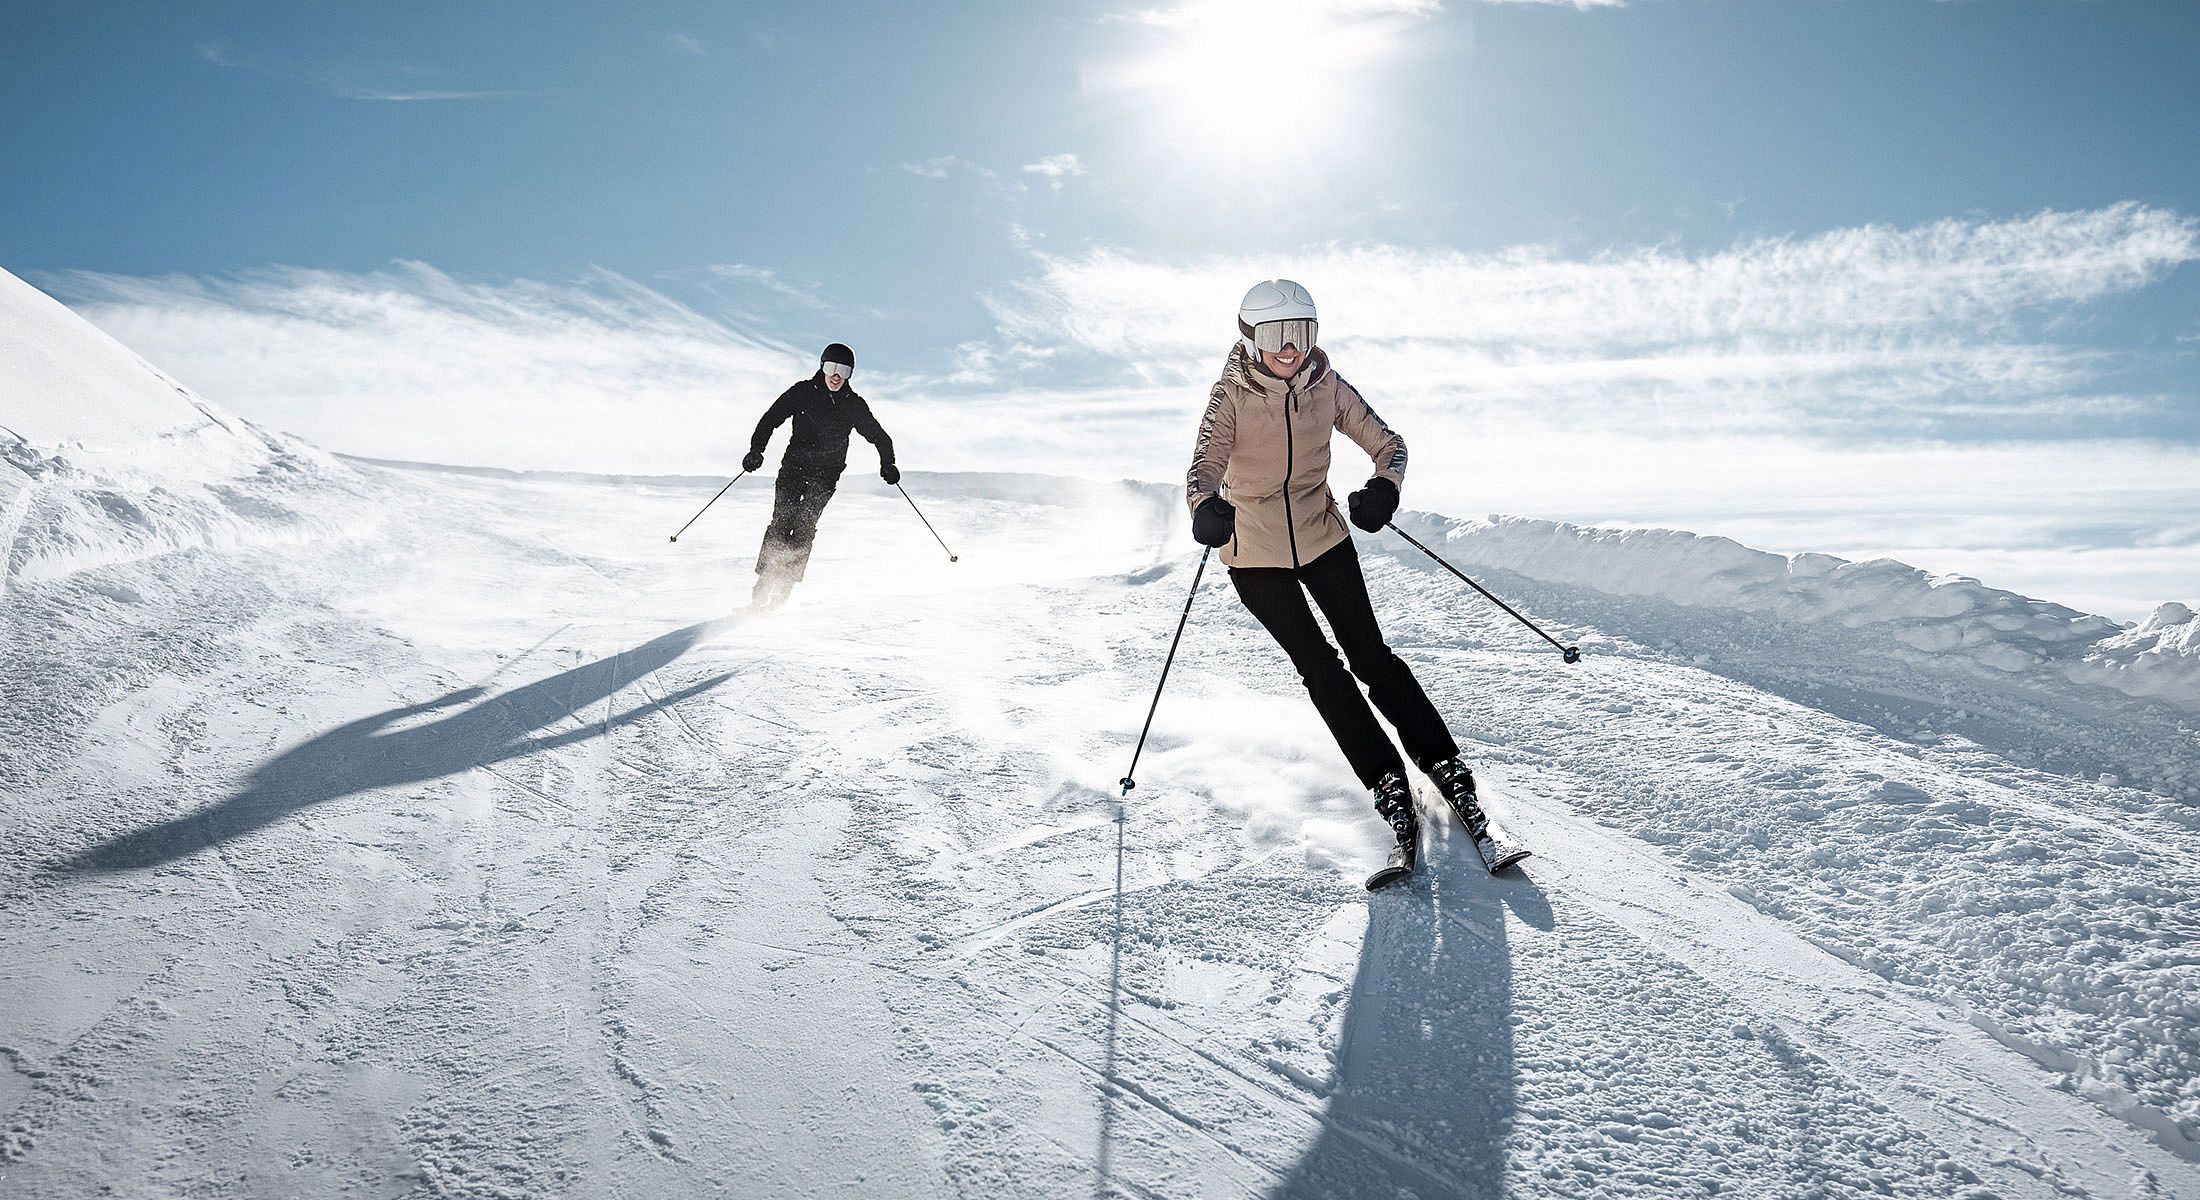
1507	859
1388	876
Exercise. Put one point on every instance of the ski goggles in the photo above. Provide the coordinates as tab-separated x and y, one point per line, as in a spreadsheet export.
844	370
1273	336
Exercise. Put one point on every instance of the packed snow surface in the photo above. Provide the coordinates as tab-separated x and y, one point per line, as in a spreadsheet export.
415	832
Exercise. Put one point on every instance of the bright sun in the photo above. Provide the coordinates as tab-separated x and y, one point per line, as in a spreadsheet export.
1240	79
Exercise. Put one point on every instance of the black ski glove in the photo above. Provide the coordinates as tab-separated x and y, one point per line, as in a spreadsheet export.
1214	522
890	473
1374	505
752	460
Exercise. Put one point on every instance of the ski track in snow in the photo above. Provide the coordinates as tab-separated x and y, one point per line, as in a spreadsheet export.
499	853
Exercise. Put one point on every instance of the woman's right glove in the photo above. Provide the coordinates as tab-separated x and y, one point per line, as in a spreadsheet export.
1374	505
752	460
1214	522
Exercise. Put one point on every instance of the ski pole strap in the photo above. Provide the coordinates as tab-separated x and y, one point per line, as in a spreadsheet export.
706	505
1571	654
1129	781
951	557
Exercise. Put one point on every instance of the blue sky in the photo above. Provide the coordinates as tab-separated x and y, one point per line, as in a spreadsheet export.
1849	276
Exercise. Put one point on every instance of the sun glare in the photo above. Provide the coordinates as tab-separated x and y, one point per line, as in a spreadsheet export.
1231	80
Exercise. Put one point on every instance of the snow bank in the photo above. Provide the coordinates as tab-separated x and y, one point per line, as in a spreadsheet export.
104	459
1920	617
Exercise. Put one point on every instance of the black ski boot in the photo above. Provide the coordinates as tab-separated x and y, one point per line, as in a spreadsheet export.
1394	800
1456	782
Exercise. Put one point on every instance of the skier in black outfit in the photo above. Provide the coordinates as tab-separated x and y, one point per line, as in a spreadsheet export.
824	409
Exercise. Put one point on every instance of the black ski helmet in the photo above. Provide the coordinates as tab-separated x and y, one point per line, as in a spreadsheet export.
837	352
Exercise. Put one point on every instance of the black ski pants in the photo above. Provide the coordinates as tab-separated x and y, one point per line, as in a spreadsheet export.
798	500
1275	597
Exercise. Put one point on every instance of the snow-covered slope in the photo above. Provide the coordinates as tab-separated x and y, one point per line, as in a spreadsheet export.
504	855
491	848
104	459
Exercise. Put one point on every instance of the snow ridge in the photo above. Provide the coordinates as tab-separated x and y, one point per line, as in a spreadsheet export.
1941	621
110	461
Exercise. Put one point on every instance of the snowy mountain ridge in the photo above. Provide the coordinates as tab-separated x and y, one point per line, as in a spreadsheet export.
104	459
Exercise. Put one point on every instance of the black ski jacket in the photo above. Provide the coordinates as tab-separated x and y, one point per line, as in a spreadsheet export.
822	419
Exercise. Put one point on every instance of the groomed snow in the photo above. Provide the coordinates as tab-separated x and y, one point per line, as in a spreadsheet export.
418	832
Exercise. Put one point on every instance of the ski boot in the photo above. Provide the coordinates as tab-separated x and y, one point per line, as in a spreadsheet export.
1456	782
1394	801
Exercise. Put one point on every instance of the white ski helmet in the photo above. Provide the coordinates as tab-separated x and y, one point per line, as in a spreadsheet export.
1274	300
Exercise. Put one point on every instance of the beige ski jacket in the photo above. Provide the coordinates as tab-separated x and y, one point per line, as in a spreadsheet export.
1264	447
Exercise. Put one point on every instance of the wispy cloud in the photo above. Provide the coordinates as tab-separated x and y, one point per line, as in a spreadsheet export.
1860	326
1055	168
946	165
771	281
1578	5
412	363
347	82
684	45
1796	392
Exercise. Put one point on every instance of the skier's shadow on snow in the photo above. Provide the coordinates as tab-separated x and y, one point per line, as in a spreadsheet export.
1422	1099
368	753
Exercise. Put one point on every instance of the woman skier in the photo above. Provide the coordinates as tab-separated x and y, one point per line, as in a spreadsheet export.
824	409
1259	490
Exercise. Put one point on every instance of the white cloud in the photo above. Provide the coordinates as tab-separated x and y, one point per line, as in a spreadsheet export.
412	363
770	280
337	79
1859	326
1794	393
683	44
1577	5
1055	168
945	165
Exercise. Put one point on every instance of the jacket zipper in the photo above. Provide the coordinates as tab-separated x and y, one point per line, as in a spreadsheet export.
1290	526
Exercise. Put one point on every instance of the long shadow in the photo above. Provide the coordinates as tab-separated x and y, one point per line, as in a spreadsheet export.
1104	1160
1422	1099
367	753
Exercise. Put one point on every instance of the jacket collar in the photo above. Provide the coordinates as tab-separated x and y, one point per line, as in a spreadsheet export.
1246	371
847	390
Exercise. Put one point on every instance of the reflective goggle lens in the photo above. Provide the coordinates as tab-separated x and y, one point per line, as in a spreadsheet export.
1273	336
844	370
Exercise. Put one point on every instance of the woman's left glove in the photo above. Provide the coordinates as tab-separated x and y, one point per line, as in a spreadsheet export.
1214	522
1374	505
890	473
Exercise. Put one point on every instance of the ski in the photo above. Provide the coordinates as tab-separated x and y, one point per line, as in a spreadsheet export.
1397	870
1497	855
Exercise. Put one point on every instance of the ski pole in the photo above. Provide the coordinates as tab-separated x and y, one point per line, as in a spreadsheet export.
1572	654
706	505
1128	781
951	556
